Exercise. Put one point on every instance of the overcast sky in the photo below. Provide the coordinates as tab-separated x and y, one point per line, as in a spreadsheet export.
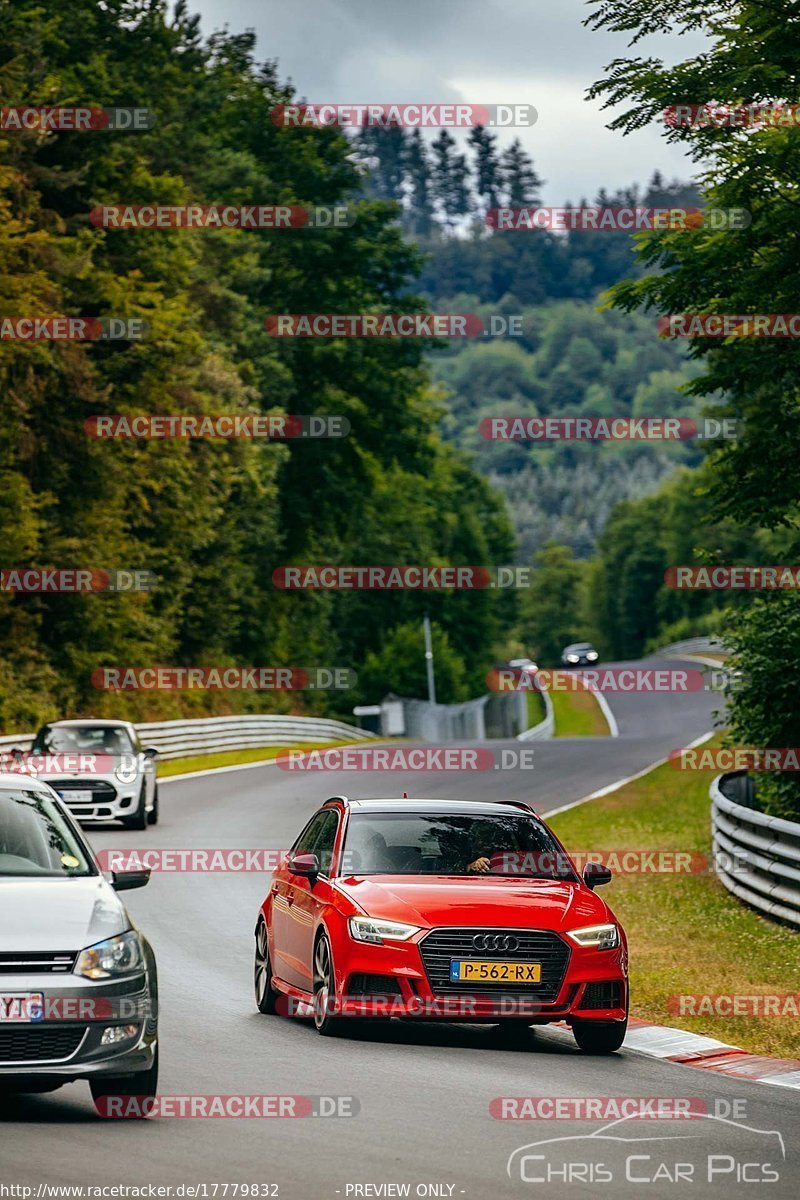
476	51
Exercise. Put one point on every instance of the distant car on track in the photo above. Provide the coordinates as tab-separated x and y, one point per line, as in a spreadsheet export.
524	664
78	987
579	654
114	777
440	908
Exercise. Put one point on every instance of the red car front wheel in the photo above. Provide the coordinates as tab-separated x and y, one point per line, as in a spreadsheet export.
325	1018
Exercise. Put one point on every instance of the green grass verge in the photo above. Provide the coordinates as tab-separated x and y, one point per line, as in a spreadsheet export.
536	709
577	714
234	758
686	933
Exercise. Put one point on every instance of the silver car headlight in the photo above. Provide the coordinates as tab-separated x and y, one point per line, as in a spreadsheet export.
113	958
573	658
592	656
367	929
599	937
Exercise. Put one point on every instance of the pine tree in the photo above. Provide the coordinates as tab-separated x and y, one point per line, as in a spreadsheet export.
451	179
521	182
418	176
488	177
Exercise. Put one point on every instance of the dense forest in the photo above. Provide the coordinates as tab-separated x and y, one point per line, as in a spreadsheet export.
571	358
413	482
211	519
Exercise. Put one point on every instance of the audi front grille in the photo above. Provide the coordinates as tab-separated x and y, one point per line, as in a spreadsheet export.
512	945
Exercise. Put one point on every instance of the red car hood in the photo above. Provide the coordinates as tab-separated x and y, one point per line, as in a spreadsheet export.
527	904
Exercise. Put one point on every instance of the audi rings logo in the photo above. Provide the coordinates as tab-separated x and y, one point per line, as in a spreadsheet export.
496	941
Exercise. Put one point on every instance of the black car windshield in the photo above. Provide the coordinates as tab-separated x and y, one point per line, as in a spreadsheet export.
404	843
35	839
83	739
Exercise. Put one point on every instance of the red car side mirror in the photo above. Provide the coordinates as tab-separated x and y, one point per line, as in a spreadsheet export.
595	873
306	865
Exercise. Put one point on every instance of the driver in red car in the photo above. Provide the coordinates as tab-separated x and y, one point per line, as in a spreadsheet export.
486	838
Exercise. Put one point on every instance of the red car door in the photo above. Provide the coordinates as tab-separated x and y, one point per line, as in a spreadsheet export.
306	897
281	901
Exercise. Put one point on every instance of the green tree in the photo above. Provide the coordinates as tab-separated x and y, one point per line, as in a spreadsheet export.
451	179
551	609
521	183
488	175
400	667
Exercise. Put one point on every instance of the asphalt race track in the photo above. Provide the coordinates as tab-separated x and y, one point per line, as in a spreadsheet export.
423	1091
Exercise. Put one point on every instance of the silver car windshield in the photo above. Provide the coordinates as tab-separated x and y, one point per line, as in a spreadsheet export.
36	840
83	739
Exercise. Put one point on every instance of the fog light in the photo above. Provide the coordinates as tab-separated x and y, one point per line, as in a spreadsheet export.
118	1033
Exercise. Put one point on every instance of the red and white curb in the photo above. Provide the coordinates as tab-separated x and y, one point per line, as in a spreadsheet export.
696	1050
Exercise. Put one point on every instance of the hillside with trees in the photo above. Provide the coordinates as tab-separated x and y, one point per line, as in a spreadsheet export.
571	358
211	519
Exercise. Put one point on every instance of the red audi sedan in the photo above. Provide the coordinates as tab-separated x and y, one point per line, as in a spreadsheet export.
440	909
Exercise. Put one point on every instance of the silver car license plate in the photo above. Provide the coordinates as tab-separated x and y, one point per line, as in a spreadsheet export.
21	1008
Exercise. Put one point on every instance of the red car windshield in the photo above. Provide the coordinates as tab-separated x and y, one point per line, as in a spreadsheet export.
403	843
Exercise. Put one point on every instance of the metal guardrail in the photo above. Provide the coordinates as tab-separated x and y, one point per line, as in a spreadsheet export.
546	728
492	716
698	645
756	857
209	735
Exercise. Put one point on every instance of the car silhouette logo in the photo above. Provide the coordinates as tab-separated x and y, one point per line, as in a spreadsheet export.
496	942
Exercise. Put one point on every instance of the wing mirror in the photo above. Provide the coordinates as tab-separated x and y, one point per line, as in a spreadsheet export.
595	874
126	881
150	752
306	865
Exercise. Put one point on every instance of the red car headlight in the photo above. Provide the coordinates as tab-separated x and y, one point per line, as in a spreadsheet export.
367	929
597	937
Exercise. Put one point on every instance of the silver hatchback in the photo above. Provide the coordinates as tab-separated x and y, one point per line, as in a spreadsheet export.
78	984
100	770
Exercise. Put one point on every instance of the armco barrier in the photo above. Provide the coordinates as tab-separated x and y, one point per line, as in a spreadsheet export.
757	857
491	716
698	645
209	735
546	728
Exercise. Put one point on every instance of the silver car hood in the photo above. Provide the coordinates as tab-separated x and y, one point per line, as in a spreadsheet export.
58	914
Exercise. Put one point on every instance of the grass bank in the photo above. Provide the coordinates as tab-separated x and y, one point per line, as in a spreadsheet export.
687	934
577	714
235	758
